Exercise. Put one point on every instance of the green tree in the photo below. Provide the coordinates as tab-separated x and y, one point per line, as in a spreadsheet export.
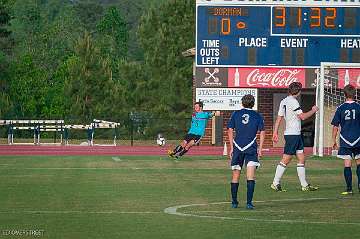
4	86
132	85
5	49
164	33
131	11
27	89
89	13
46	30
48	72
44	33
4	21
114	27
89	88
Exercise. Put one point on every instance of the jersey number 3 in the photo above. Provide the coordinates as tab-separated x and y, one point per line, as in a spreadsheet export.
246	118
348	114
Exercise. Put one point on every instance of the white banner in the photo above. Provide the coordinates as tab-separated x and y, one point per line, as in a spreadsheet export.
224	98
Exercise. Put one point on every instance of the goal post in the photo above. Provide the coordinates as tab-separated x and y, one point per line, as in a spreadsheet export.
331	79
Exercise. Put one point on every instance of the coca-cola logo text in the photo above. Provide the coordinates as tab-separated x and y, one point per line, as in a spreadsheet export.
279	78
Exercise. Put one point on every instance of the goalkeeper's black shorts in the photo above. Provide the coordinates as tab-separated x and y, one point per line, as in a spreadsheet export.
194	137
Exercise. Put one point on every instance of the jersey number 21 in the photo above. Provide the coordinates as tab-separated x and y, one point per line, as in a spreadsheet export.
348	114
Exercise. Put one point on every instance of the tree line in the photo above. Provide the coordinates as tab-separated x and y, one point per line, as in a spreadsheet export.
74	59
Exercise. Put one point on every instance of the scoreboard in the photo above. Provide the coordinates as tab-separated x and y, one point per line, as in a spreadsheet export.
232	33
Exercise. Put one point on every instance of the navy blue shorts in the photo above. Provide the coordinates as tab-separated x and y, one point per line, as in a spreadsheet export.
239	158
194	137
349	153
293	144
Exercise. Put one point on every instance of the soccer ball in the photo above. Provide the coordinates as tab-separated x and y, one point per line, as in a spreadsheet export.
160	141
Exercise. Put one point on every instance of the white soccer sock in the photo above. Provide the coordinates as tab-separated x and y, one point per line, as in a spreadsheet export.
301	174
280	170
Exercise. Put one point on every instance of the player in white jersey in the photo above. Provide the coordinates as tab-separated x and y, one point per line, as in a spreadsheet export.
347	118
290	111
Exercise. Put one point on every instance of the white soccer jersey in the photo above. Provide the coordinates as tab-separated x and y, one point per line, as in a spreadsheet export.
290	109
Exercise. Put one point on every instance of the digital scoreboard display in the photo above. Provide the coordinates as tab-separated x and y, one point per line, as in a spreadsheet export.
277	35
315	21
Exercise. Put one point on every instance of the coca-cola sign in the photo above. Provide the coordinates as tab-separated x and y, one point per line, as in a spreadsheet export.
348	76
265	77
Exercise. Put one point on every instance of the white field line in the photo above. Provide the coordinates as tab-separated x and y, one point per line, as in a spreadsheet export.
109	168
116	159
257	211
74	212
173	211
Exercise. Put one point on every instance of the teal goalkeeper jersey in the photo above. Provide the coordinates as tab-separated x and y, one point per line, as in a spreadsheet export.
198	123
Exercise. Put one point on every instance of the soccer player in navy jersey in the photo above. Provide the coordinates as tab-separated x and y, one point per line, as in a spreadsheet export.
347	117
290	110
197	131
246	123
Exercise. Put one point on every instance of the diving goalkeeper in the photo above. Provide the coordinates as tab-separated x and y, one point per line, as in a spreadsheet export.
197	131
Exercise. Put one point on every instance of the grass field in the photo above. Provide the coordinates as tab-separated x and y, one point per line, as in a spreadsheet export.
155	197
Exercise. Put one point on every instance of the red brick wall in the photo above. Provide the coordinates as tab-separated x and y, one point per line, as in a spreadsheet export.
266	108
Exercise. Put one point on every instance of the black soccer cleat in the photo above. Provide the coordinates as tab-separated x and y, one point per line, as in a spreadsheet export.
250	206
277	188
309	188
170	153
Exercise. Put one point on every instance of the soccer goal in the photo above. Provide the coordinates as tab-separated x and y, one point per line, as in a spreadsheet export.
331	79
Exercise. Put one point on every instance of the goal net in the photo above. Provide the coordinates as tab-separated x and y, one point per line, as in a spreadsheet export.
331	79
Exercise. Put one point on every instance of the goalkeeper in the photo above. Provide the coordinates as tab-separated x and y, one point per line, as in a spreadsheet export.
197	131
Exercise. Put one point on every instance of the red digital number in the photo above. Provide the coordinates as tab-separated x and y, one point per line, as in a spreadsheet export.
299	17
280	17
225	26
315	17
330	19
